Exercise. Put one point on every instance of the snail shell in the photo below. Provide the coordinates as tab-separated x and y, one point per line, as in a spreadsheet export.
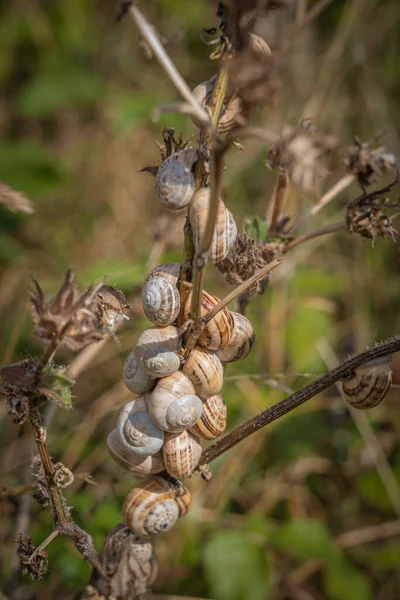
137	430
181	453
368	383
213	419
131	461
218	331
174	181
225	231
156	351
258	45
173	405
205	371
136	380
242	340
160	295
154	506
231	108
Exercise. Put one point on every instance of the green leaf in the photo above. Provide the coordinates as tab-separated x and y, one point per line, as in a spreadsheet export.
343	581
256	228
305	539
236	568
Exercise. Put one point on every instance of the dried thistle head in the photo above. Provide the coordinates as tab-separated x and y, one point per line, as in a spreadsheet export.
367	163
70	317
112	307
31	562
368	217
299	151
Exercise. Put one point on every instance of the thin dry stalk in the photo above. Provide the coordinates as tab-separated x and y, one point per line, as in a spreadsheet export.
332	228
279	198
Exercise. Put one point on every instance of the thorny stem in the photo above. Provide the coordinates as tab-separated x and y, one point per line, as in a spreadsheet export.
279	198
296	399
331	228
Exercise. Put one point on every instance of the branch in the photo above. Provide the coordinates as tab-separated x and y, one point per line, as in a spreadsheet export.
332	228
294	400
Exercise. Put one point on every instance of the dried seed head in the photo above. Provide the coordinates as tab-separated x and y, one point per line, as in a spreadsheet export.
112	307
299	150
36	567
367	163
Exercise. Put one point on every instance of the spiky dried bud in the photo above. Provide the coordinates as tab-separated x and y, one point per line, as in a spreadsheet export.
18	407
299	151
170	146
36	566
62	476
112	307
367	163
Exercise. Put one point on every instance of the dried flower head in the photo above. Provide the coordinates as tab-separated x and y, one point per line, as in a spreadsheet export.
30	561
367	215
170	145
367	163
299	150
70	317
62	476
112	307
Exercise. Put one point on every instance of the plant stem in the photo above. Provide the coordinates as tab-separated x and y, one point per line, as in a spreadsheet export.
296	399
332	228
279	198
45	543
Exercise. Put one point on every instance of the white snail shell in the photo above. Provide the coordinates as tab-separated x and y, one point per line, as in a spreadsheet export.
231	109
156	351
368	383
131	461
218	331
205	371
174	181
173	405
160	295
136	380
137	430
225	232
241	342
181	452
154	506
213	419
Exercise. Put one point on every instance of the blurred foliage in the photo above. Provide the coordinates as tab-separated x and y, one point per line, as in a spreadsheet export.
75	129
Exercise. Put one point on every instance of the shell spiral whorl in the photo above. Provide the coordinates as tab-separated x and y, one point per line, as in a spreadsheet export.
160	295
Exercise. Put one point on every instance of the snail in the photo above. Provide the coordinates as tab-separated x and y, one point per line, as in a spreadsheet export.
241	342
225	231
160	295
231	109
156	351
181	452
213	419
130	460
137	430
258	45
154	506
173	405
205	371
136	380
368	383
174	181
218	331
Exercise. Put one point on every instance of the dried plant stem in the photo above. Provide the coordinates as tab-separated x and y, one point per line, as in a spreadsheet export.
332	228
240	290
310	16
296	399
368	534
334	191
166	63
45	543
279	198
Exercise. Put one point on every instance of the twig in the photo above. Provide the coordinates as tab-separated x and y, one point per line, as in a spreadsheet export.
294	400
240	289
166	63
45	543
279	198
332	228
310	16
368	534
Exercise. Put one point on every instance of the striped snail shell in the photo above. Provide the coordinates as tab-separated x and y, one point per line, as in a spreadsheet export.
160	295
181	452
137	430
368	383
218	331
156	351
154	506
258	45
136	380
130	460
242	340
213	419
174	181
231	108
205	371
225	231
173	405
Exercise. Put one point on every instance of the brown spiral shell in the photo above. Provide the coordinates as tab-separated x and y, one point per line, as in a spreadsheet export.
213	419
130	460
218	331
160	295
231	109
258	45
241	342
368	383
181	452
154	506
205	371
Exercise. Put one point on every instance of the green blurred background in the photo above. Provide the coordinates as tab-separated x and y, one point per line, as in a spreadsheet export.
77	94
